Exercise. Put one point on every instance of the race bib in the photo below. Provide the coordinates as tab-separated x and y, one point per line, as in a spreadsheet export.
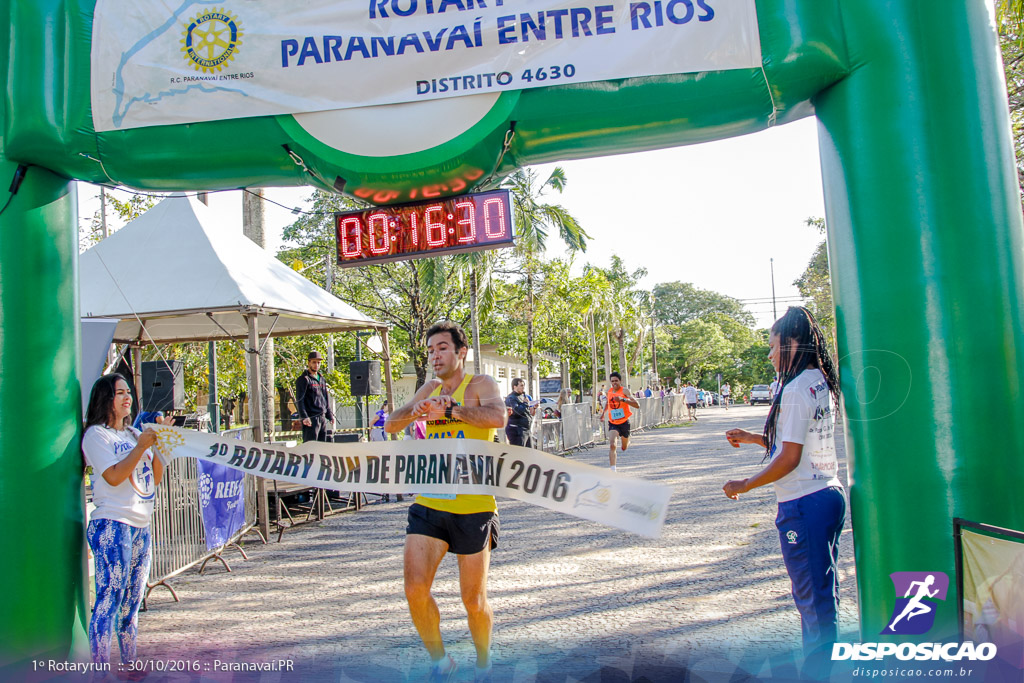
618	413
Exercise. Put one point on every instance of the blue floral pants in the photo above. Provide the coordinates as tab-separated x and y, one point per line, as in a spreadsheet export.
122	554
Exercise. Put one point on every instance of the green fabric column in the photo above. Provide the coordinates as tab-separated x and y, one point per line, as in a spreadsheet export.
40	417
925	248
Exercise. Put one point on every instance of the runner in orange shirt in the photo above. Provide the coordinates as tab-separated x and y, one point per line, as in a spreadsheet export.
617	409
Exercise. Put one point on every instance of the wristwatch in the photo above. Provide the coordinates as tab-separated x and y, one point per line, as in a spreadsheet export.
448	410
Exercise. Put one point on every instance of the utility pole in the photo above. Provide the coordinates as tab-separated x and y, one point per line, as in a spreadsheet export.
654	348
775	314
103	213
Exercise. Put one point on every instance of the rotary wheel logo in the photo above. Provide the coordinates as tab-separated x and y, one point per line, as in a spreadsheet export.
205	490
211	40
168	440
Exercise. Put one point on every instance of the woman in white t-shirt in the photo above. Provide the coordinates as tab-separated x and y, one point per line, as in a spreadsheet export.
124	479
799	443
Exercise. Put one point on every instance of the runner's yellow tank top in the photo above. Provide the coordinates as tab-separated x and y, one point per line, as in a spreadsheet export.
462	504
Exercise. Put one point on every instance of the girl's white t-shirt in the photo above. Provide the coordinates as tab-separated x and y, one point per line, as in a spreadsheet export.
806	418
131	501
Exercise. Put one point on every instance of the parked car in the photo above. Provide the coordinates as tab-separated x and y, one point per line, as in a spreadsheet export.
547	408
760	393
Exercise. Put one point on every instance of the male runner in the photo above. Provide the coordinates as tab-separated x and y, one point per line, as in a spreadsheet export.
619	413
456	405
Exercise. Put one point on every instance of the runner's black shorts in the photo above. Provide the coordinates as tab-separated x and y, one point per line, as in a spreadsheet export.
464	534
691	405
622	428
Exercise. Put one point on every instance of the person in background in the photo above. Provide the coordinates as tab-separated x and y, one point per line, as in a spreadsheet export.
799	443
150	417
690	398
520	414
313	401
124	480
377	428
725	395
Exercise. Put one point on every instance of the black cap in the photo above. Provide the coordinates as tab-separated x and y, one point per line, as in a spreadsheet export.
313	355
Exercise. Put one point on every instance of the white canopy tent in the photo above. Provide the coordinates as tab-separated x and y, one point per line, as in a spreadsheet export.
173	275
188	279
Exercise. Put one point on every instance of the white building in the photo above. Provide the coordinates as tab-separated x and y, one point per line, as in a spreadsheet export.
502	368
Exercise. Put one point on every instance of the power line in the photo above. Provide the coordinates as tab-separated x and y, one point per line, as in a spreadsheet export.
294	209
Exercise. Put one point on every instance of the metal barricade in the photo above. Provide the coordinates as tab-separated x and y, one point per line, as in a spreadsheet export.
570	427
178	535
551	436
585	423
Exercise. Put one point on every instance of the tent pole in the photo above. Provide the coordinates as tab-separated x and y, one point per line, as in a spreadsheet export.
213	401
137	371
388	387
256	417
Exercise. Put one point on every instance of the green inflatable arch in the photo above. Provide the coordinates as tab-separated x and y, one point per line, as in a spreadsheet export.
924	216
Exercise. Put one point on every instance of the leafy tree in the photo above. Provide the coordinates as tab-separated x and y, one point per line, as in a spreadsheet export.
1010	26
815	285
411	295
534	218
755	368
563	303
625	307
678	302
699	347
125	211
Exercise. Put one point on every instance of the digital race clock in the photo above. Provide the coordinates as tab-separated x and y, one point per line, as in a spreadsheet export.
470	222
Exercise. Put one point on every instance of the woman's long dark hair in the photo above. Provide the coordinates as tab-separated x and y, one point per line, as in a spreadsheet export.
811	352
101	400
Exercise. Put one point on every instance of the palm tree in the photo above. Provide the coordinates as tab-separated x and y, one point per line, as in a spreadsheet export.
623	305
478	265
533	219
1011	10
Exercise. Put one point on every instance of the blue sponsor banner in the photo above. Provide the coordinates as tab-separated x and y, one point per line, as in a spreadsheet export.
221	497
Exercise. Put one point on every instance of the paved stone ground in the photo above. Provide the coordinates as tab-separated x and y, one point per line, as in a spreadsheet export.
708	600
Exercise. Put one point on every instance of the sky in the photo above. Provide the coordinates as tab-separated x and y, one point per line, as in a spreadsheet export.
711	214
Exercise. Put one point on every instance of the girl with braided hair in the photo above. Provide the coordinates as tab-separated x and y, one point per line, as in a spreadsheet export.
799	445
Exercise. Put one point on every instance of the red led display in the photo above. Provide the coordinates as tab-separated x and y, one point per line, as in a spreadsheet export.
470	222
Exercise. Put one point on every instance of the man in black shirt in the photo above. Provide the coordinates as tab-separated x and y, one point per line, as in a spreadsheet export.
312	401
518	403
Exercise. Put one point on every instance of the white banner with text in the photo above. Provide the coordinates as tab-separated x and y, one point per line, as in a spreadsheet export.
159	62
439	466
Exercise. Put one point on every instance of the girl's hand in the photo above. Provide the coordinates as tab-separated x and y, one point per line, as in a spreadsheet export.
147	438
734	488
738	436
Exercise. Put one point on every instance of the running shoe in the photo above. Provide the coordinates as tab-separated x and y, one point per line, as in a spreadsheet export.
482	675
443	671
